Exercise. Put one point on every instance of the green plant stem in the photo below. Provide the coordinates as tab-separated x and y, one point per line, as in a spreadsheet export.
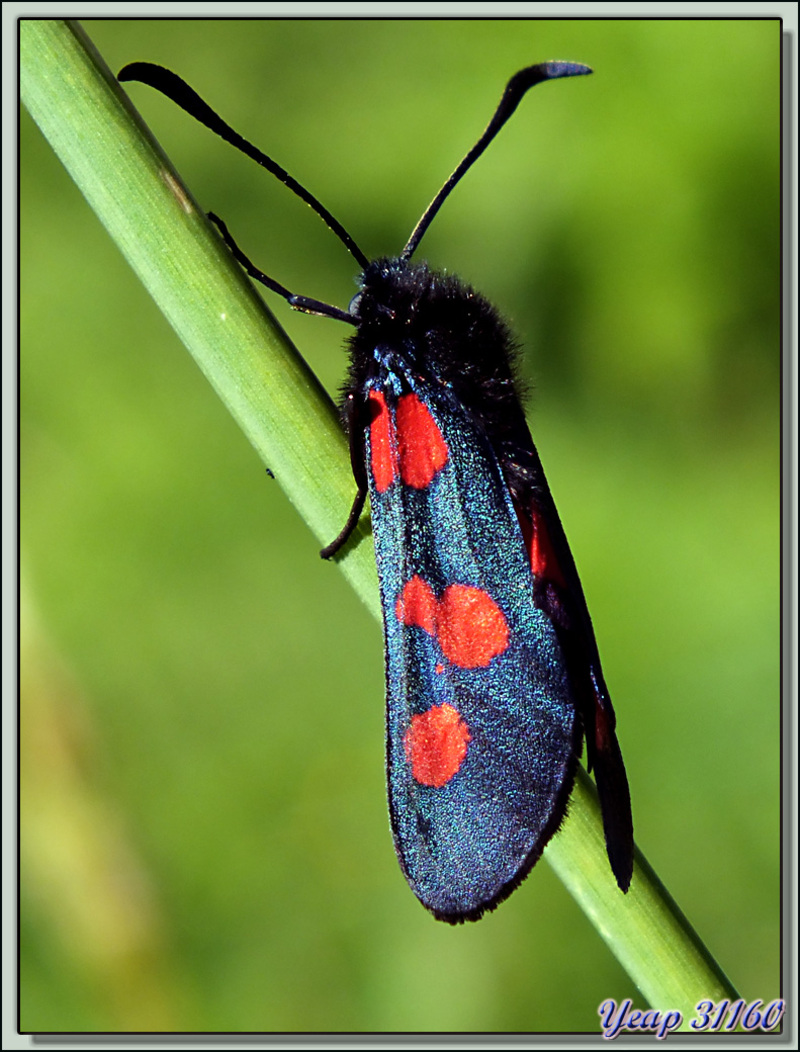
179	257
645	929
290	420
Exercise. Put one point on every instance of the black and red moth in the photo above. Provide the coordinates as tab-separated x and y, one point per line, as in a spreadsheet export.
492	671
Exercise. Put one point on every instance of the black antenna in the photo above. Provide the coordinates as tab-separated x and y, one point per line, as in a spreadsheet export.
176	89
171	85
515	89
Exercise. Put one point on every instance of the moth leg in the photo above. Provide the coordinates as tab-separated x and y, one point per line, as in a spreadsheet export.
352	519
357	453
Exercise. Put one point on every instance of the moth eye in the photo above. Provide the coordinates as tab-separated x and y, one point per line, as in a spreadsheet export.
355	303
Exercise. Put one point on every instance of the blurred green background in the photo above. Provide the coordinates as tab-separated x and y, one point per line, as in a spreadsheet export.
205	844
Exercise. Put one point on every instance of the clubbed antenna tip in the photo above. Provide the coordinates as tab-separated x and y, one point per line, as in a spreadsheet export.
519	84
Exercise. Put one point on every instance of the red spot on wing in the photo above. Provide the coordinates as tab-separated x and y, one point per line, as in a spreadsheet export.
417	604
423	451
382	443
436	744
544	562
471	627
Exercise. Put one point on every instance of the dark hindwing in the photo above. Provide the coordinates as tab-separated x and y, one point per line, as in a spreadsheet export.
558	593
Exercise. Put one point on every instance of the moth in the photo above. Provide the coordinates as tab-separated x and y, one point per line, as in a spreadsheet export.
492	670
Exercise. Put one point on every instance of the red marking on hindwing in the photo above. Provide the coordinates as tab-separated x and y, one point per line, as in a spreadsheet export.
382	443
544	562
423	451
469	625
436	744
